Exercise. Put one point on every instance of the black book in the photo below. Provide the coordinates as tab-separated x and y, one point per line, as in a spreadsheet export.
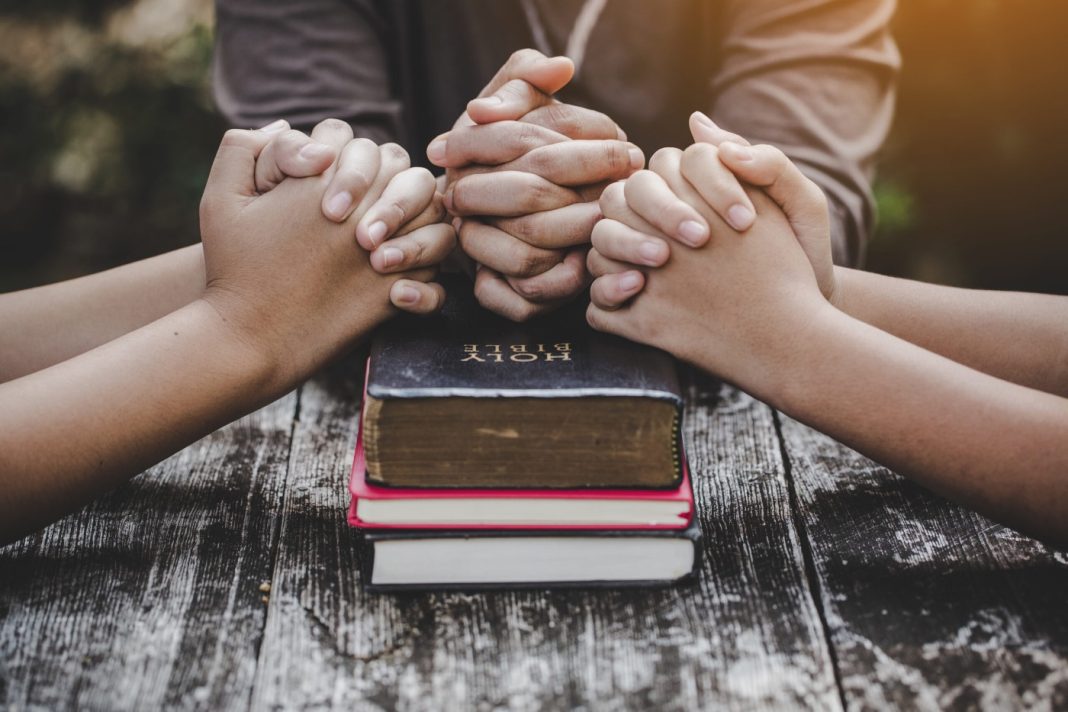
395	560
469	399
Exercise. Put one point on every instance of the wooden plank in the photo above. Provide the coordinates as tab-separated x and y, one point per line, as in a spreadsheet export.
930	606
149	598
746	635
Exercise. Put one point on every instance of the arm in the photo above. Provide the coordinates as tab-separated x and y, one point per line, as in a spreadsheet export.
993	445
1022	338
43	326
79	428
817	80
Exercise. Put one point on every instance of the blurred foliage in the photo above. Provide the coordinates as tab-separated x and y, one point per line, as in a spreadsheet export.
975	175
109	133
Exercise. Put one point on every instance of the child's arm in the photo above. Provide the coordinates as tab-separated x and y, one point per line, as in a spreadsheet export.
748	307
42	326
287	290
1016	336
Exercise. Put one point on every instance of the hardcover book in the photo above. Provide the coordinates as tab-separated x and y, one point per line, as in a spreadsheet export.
476	560
376	507
468	399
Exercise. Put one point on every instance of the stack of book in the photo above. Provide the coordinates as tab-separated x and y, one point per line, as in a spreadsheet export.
496	455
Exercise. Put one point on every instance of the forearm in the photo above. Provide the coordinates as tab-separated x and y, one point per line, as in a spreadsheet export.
77	429
993	445
1015	336
43	326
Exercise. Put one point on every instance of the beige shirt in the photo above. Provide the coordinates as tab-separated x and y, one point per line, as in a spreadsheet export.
814	77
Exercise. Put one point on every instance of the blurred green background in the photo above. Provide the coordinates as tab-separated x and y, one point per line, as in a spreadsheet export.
109	129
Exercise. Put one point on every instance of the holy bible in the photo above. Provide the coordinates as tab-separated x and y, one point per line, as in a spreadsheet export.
468	399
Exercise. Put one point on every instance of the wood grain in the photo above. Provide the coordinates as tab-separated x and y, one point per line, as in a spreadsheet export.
149	598
746	635
930	606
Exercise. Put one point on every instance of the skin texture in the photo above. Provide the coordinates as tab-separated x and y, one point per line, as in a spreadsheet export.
964	410
283	290
523	174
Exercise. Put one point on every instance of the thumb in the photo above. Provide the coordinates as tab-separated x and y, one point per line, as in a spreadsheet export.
547	74
705	130
234	170
550	74
511	102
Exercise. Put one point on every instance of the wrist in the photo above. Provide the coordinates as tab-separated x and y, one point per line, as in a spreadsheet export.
800	368
777	354
244	354
841	277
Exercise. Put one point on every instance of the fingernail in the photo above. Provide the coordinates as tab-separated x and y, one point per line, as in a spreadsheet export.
311	151
436	151
376	232
692	232
492	100
740	217
629	282
446	200
703	119
406	294
338	204
392	256
637	160
274	126
651	251
457	223
736	151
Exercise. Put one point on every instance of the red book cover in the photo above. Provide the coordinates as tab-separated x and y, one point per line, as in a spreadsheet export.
376	507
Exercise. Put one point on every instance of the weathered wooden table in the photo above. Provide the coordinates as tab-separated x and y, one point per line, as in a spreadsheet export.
827	582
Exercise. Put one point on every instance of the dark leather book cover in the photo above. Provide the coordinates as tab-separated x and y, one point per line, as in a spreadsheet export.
469	352
369	539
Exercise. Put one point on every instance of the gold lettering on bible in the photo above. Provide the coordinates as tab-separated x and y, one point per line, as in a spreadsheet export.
517	353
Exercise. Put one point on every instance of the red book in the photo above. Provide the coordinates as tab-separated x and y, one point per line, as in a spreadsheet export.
375	507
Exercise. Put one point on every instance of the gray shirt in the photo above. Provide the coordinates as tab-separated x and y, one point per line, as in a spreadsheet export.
814	77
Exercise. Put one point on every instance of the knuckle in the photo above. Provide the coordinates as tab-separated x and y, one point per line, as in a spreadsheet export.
459	196
354	180
594	316
333	125
601	234
532	289
395	154
527	227
235	137
524	312
637	183
424	180
529	136
612	195
615	156
396	211
664	156
527	264
563	118
539	161
539	194
523	56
